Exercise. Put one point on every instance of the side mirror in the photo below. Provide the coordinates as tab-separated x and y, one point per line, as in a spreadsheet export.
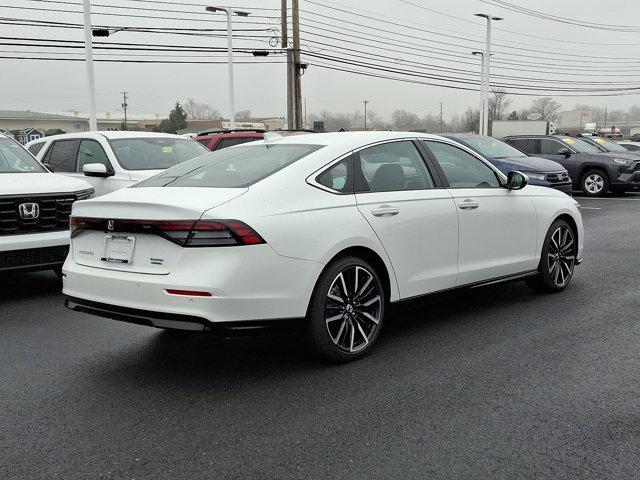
516	180
96	170
564	151
48	167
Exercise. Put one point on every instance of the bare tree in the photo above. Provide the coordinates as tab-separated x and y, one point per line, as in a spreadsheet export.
243	115
403	120
200	111
547	107
499	102
471	120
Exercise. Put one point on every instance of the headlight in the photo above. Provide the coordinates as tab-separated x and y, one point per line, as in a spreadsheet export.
537	176
621	161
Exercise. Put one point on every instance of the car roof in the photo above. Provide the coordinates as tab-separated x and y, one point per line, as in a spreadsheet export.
111	135
247	134
348	139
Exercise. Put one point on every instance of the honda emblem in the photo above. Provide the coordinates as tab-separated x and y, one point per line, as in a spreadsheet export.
29	211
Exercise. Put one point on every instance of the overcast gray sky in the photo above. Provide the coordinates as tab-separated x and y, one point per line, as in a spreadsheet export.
58	86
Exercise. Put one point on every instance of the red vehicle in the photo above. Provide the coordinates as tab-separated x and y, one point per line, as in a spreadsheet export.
218	139
227	138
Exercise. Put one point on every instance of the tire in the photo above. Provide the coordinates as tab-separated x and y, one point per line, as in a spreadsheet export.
346	311
558	260
595	183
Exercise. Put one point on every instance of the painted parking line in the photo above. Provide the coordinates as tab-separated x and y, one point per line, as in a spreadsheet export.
590	208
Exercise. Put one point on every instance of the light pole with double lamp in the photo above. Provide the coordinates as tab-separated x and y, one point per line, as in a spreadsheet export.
487	69
229	12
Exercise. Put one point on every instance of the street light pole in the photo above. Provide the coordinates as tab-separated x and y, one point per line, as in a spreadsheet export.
88	50
481	110
229	12
487	73
365	114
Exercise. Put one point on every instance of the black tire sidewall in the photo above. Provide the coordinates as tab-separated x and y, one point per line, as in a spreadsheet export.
543	269
316	323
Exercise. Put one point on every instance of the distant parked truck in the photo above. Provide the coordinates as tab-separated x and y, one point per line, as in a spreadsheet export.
504	128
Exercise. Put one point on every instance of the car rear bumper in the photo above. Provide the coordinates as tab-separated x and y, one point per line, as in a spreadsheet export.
245	283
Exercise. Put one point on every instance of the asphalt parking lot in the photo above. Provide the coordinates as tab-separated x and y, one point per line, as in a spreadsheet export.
490	383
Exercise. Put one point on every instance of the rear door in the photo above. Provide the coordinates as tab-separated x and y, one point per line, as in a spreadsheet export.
497	227
415	221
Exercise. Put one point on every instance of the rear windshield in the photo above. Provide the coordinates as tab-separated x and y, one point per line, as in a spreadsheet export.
155	153
232	167
15	159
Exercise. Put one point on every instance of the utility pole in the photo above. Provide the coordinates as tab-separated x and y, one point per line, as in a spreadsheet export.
88	50
290	69
297	90
605	119
441	126
124	106
365	114
481	110
487	72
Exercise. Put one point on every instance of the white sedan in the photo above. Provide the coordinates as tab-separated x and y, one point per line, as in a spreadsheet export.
325	229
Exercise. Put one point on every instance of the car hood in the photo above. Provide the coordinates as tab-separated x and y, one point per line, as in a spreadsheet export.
156	203
530	164
19	183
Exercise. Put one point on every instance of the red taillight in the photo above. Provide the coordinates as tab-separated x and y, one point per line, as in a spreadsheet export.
188	293
186	233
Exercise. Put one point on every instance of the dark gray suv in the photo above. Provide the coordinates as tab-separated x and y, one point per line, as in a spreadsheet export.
593	171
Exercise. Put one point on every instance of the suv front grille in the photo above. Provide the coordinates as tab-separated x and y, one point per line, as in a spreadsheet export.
33	257
53	213
560	177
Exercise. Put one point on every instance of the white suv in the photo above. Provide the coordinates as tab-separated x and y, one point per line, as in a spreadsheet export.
112	160
34	211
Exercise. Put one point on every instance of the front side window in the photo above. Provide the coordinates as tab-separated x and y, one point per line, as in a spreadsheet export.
232	167
390	167
154	153
462	169
550	147
15	159
62	155
91	151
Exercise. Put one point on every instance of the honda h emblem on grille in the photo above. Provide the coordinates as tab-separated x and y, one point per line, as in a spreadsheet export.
111	225
29	211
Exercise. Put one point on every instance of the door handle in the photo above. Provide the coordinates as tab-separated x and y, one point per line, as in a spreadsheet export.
468	204
385	210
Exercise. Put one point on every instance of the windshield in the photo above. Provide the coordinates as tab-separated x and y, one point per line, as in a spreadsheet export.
490	147
580	146
609	146
232	167
155	153
15	159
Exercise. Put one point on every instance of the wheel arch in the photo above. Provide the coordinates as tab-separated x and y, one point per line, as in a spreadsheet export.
384	271
572	223
592	166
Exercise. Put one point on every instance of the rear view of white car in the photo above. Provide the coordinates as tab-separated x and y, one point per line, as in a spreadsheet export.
34	211
112	160
323	229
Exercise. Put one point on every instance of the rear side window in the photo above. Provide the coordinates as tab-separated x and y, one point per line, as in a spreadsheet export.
338	177
631	147
230	142
391	167
526	145
232	167
62	156
35	148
